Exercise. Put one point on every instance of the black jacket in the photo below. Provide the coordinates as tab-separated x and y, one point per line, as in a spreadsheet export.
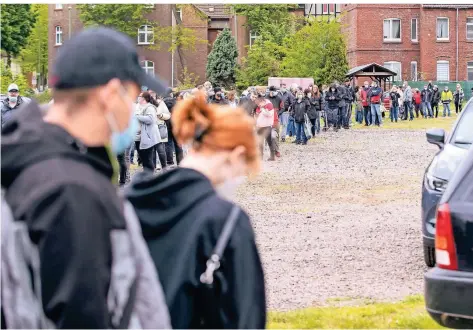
395	96
7	111
287	99
435	97
220	101
299	109
170	103
332	99
247	104
349	94
63	191
426	95
342	92
276	102
315	105
182	217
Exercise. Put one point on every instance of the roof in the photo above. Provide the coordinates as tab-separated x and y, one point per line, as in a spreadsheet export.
215	10
449	6
372	69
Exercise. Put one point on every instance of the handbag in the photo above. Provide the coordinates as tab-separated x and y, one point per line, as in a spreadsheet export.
307	127
163	131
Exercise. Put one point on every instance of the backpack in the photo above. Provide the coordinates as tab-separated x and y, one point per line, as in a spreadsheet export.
135	298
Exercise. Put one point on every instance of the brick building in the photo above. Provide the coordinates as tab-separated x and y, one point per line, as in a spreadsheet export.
419	42
205	20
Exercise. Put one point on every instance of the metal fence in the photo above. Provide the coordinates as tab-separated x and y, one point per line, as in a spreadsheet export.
452	85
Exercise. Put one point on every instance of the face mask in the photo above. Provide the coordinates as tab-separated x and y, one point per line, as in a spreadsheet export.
425	88
309	95
299	97
227	189
283	90
13	99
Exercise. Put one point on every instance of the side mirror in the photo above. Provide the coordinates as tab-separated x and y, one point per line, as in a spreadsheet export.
436	136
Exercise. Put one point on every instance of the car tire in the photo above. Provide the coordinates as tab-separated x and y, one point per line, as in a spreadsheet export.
429	256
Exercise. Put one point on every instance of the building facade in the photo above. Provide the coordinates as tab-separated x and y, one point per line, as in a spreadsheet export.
206	21
419	42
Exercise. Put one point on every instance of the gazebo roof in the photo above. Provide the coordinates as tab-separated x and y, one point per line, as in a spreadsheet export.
370	70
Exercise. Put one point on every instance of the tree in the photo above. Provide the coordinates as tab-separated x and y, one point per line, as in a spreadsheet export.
318	50
222	60
187	80
34	57
17	22
8	78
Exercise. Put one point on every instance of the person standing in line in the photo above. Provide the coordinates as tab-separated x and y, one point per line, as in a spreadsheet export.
408	97
287	99
275	99
458	96
316	100
163	114
299	110
149	134
365	102
172	146
358	106
395	96
264	123
342	104
291	126
349	98
375	95
446	98
435	100
426	96
417	102
332	100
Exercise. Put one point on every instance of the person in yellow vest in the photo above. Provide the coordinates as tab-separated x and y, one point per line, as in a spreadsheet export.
446	98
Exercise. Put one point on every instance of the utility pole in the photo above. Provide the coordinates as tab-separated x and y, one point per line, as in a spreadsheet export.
70	23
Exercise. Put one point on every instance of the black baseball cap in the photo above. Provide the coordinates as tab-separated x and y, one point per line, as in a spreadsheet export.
95	56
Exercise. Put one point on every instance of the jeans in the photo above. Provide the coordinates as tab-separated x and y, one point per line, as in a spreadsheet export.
284	121
291	129
264	134
317	123
170	147
124	162
359	116
367	112
446	106
435	109
348	110
426	106
394	113
376	114
408	110
161	150
342	114
300	133
146	156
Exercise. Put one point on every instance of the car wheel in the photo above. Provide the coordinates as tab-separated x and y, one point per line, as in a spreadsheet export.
429	256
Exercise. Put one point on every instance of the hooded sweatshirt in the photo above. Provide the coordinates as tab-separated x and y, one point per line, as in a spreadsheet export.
63	191
182	217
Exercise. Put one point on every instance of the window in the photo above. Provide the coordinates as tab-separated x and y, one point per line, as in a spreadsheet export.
253	36
325	9
442	28
148	66
332	8
179	12
392	29
414	71
58	35
469	71
396	67
145	35
414	33
469	28
58	6
443	71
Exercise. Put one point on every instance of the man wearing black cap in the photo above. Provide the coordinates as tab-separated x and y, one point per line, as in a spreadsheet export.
218	97
58	171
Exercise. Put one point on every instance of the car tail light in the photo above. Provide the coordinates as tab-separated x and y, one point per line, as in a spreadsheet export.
445	252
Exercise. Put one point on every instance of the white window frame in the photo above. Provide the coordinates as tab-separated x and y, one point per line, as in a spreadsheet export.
149	35
325	12
469	66
179	11
389	66
149	69
416	39
469	25
58	33
414	74
437	27
58	6
253	36
448	72
389	38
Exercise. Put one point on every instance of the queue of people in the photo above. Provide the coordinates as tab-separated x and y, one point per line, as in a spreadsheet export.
171	250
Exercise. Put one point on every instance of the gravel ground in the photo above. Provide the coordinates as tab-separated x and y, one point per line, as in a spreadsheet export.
339	218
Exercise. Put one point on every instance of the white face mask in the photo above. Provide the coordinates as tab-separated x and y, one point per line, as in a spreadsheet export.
309	95
227	189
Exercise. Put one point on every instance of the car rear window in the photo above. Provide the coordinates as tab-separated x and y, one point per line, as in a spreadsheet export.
463	135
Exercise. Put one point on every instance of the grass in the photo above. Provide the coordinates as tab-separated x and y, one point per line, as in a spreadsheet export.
407	314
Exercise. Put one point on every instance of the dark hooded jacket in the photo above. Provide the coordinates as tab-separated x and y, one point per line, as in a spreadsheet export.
315	105
332	98
299	109
182	217
435	96
276	101
63	191
7	111
287	99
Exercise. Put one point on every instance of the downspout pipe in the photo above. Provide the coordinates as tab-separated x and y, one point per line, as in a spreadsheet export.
456	64
173	23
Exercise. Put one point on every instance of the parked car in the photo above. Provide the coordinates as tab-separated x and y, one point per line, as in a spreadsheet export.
449	285
453	149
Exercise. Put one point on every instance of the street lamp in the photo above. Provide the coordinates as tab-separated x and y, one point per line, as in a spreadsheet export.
70	24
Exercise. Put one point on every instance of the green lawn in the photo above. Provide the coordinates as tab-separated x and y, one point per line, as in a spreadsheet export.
407	314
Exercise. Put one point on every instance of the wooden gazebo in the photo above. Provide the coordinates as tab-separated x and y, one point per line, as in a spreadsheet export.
374	71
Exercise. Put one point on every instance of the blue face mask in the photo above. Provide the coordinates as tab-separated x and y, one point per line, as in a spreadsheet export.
120	141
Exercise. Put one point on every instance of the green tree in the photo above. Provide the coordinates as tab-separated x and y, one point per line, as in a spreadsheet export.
34	57
15	28
8	78
317	50
6	75
222	60
187	80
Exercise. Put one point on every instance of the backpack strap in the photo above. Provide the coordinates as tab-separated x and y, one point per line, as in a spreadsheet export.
214	262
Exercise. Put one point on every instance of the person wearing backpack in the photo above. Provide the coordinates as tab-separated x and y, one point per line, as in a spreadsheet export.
188	218
57	176
375	95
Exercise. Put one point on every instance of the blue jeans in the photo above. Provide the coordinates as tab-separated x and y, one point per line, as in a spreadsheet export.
284	121
445	107
408	109
394	113
291	129
426	106
376	114
359	116
367	112
300	134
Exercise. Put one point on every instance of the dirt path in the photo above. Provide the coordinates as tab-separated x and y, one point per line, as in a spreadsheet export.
340	217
